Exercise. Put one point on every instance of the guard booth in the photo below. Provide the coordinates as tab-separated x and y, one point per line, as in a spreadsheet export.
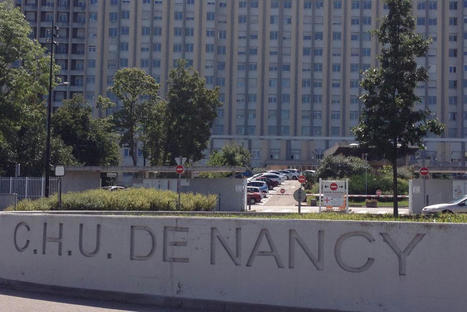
424	192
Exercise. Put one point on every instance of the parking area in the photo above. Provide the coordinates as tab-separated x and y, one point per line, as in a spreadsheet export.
279	202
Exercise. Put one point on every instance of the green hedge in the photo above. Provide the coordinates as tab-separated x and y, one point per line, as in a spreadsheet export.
128	199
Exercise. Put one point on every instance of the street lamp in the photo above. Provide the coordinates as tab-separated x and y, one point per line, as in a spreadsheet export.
53	43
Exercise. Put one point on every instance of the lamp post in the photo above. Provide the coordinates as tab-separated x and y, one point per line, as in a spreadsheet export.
53	35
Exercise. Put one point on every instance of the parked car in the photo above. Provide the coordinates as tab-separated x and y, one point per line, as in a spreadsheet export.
271	184
295	174
273	177
454	206
288	174
253	198
254	189
260	184
281	175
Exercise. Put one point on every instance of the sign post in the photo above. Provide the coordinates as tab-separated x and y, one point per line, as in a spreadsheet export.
179	170
59	172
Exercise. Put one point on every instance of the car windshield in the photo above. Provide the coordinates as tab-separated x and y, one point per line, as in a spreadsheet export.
458	199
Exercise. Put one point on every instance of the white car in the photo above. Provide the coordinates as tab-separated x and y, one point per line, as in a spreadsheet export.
454	206
281	175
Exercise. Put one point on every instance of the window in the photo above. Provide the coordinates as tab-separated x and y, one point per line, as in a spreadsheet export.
336	35
452	100
453	52
336	67
355	4
452	84
335	115
337	4
366	20
452	5
453	21
179	15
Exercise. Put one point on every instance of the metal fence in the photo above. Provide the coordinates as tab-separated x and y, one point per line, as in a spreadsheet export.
26	187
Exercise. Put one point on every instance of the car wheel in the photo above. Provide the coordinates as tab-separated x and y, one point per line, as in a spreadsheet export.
447	211
252	201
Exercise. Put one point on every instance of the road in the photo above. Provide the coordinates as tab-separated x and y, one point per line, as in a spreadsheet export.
25	301
277	202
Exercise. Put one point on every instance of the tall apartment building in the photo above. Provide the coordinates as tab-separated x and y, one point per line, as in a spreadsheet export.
288	70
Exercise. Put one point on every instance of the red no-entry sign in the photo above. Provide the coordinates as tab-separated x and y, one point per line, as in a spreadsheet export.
179	169
424	171
333	186
301	179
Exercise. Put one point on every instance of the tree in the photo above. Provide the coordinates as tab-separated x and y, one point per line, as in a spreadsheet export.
24	80
340	167
154	133
92	140
389	121
191	110
138	93
230	155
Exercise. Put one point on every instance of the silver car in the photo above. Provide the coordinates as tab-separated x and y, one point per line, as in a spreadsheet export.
454	206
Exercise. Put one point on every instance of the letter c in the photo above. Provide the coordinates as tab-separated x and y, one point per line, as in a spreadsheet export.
338	255
26	244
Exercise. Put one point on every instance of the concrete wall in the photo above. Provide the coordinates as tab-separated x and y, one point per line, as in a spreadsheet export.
231	192
76	181
7	200
345	266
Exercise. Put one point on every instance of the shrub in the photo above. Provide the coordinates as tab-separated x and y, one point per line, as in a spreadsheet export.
341	166
133	199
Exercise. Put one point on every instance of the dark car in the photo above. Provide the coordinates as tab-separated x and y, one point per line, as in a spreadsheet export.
271	184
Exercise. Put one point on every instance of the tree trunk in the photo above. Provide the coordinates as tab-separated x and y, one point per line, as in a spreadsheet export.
394	180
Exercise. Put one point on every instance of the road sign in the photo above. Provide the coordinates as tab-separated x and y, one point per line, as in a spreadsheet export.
299	195
379	192
59	171
179	169
334	195
424	171
282	190
301	179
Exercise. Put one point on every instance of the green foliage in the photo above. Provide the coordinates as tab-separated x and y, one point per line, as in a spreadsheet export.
231	155
92	141
24	81
389	121
138	93
191	110
133	199
340	166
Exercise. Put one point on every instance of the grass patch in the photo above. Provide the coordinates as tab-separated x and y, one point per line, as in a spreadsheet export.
389	204
132	199
336	216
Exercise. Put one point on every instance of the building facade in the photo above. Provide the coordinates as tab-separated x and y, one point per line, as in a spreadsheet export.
288	70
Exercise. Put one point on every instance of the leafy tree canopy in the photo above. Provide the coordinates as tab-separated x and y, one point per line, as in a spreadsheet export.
24	80
92	141
341	167
191	110
231	155
138	94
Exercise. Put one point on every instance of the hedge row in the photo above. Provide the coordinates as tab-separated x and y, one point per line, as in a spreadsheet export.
132	199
